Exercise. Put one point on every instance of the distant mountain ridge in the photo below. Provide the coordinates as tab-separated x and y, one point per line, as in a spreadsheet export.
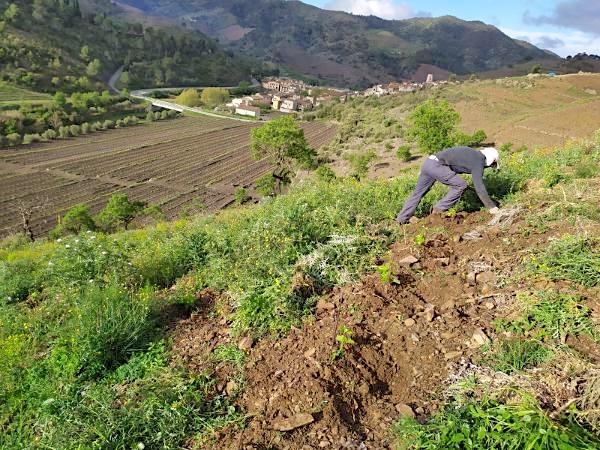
343	48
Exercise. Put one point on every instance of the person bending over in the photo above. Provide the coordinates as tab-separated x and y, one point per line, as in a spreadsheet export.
445	167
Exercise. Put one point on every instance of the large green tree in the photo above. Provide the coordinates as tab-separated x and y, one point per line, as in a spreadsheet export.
215	96
282	141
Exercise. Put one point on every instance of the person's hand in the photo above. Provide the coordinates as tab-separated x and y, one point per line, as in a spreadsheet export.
494	211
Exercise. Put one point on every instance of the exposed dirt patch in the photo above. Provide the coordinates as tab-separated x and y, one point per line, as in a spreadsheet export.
410	334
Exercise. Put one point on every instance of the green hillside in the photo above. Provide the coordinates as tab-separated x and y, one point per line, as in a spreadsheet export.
143	339
52	45
343	48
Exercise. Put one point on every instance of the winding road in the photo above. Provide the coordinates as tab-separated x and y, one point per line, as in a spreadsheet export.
143	94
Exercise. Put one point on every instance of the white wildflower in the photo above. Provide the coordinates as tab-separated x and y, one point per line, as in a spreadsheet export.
88	231
67	246
141	446
77	241
105	253
59	240
50	263
91	281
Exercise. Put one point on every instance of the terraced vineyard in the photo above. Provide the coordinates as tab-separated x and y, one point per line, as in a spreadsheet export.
13	94
181	165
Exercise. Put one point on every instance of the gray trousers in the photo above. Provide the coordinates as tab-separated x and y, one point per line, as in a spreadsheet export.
431	172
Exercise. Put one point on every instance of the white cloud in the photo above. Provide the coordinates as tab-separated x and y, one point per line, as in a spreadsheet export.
386	9
568	43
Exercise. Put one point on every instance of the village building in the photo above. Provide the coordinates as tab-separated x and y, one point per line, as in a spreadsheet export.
289	105
276	102
247	110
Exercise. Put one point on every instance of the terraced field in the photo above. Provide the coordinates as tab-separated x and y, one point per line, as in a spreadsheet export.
13	94
180	165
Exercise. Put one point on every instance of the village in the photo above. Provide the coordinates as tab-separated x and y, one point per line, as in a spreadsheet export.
287	95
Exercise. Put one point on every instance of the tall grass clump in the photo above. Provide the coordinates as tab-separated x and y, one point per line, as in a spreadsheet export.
573	258
492	424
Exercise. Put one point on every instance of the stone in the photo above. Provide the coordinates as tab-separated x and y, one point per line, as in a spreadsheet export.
409	322
472	235
413	220
408	261
489	304
231	388
291	423
405	410
363	389
452	355
471	278
488	278
443	261
429	313
246	343
480	338
310	352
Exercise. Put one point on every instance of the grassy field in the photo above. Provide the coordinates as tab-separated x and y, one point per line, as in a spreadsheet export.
184	165
14	95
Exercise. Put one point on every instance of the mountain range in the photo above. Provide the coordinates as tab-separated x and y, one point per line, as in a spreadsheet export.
338	47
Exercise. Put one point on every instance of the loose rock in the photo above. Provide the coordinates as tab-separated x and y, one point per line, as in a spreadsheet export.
405	410
408	261
480	338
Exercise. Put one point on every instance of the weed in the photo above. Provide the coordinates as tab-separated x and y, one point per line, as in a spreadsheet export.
344	340
490	424
551	315
385	273
231	354
420	239
572	258
403	153
517	354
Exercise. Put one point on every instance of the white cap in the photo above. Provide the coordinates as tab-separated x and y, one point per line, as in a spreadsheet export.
491	156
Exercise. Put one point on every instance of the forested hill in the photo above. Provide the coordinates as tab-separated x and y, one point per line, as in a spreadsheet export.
340	47
51	44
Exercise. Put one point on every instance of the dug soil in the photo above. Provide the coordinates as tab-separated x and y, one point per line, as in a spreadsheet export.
410	330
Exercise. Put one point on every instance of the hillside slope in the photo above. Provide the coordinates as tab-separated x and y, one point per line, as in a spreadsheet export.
48	45
313	319
343	48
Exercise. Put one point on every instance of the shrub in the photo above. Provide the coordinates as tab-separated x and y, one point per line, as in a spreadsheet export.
403	153
86	128
241	196
13	139
265	185
74	130
164	114
150	117
120	123
325	174
360	162
64	132
157	115
432	125
189	97
18	279
49	135
108	125
31	138
214	96
76	220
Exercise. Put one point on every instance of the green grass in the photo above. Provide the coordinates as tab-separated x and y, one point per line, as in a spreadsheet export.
550	315
517	354
491	424
573	258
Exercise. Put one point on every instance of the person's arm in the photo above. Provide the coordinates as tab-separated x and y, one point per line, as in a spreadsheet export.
477	175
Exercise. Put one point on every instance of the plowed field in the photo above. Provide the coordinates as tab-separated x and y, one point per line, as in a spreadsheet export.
180	165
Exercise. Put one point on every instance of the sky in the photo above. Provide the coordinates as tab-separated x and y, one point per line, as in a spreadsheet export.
565	27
